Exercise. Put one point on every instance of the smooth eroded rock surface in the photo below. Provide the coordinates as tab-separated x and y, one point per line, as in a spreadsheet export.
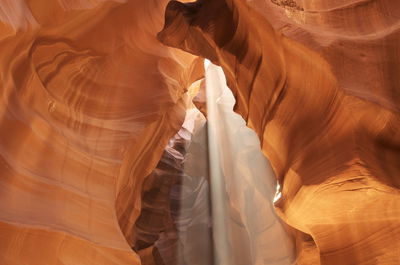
89	99
316	81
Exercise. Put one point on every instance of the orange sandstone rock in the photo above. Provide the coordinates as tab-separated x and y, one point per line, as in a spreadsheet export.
315	80
89	99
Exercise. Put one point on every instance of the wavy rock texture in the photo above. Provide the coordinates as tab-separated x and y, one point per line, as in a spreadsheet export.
89	99
317	82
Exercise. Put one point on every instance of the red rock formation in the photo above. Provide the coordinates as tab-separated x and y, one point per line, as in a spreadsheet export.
316	81
89	99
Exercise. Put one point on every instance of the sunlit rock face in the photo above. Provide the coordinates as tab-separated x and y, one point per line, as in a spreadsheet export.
89	99
316	80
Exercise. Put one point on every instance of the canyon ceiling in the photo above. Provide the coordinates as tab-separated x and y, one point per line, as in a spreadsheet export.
97	120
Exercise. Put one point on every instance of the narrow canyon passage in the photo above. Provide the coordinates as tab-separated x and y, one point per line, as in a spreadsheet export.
120	146
175	224
210	198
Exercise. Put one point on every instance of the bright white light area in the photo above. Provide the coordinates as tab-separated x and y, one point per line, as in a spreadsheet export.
278	193
242	185
206	63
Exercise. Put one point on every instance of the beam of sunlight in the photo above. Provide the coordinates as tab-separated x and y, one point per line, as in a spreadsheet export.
219	211
246	229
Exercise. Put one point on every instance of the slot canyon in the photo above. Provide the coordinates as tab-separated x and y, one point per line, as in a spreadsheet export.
208	132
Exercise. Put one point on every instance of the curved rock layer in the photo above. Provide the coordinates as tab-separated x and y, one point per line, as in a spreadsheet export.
89	99
317	82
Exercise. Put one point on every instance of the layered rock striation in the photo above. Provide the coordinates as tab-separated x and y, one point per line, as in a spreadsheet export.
315	81
89	99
